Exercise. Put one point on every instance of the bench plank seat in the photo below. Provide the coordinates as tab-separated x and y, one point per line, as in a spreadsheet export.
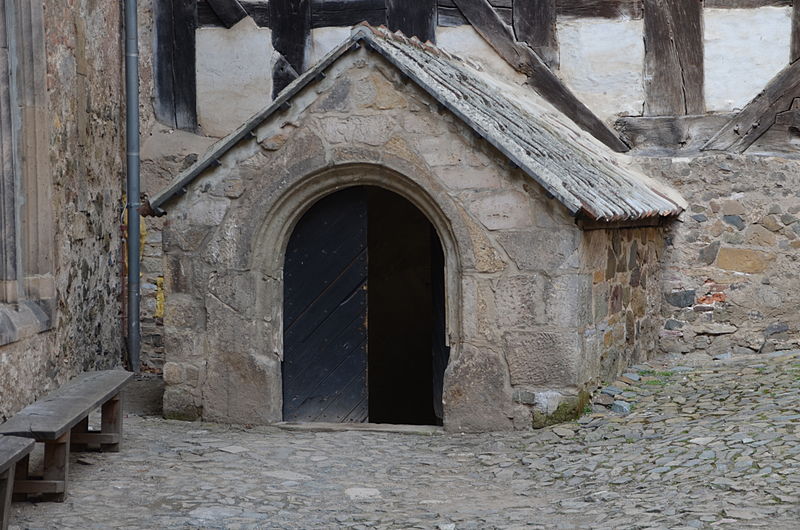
56	413
12	451
59	416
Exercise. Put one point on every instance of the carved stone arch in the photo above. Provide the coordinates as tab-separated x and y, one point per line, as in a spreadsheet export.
273	237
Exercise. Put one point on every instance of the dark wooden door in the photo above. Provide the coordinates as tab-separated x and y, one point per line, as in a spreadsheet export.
325	312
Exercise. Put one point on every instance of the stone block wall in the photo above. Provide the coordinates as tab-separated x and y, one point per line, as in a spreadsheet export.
732	263
85	123
608	307
523	279
625	267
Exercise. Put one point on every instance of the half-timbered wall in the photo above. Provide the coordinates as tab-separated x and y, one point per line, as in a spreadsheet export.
233	83
608	81
620	57
744	48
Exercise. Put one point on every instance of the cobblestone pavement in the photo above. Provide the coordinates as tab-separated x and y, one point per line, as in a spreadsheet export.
704	447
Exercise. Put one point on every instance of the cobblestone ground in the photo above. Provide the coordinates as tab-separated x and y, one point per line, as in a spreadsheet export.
704	447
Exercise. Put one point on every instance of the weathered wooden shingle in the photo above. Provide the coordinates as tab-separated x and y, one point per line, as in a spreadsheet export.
572	166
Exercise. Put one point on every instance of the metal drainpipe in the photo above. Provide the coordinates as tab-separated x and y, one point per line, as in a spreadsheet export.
132	139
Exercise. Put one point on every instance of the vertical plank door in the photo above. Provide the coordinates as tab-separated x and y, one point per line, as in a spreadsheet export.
325	312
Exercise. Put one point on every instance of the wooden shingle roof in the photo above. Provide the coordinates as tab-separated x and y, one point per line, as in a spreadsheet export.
572	166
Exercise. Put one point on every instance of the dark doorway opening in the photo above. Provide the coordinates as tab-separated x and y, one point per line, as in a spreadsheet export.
364	312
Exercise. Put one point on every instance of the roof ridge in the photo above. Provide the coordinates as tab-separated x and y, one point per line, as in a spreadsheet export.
383	32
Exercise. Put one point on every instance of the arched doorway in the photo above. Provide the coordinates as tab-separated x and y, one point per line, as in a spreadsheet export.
364	312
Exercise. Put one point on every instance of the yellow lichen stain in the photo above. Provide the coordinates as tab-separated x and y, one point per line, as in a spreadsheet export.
386	95
160	298
142	237
142	234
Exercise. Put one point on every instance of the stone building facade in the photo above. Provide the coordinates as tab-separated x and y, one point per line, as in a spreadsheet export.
718	281
63	176
727	267
539	309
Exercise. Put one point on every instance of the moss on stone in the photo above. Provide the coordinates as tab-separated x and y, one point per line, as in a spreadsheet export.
570	409
182	415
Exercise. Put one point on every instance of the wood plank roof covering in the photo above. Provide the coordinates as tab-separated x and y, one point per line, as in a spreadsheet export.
573	167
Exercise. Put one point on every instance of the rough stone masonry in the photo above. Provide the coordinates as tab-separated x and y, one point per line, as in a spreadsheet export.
81	163
732	275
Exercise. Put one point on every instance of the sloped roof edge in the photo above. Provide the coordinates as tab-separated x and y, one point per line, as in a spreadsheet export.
634	197
211	158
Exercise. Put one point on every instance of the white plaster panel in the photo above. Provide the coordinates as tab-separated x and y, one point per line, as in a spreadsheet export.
744	49
602	61
234	75
467	43
322	41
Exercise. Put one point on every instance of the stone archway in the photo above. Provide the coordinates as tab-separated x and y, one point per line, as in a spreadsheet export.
285	213
364	335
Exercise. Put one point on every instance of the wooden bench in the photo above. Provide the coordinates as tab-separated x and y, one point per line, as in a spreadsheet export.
61	418
12	450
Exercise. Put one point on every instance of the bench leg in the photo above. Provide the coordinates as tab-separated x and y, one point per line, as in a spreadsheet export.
6	490
56	465
21	473
111	422
80	428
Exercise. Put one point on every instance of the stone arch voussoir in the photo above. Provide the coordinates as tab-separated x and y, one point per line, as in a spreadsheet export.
289	204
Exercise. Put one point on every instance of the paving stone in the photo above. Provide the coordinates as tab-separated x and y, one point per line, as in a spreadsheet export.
717	445
611	390
621	407
604	399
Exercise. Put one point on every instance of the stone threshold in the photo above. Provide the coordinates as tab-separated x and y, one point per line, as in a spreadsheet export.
428	430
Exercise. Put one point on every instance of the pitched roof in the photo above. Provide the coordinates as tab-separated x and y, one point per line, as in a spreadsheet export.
583	174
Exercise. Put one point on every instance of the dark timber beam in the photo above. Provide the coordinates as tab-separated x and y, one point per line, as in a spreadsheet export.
499	36
670	135
600	8
229	12
535	25
795	51
745	4
760	114
450	15
291	28
673	54
415	18
324	13
174	63
328	13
